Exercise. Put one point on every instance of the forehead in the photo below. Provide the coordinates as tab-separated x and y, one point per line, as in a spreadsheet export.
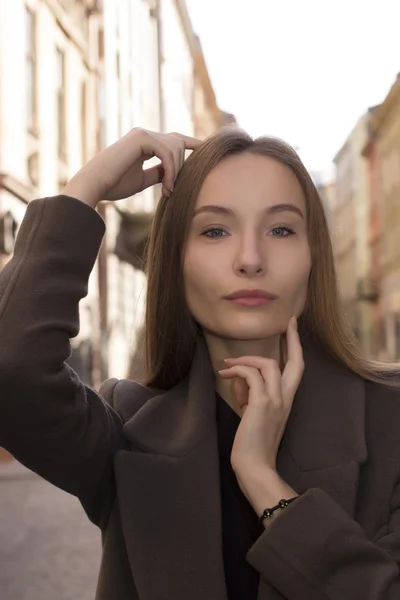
253	177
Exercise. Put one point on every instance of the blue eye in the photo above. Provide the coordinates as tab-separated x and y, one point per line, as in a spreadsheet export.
214	232
282	232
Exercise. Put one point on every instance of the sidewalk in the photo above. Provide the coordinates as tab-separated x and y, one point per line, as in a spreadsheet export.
48	548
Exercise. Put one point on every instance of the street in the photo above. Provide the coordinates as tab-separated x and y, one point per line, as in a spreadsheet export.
48	548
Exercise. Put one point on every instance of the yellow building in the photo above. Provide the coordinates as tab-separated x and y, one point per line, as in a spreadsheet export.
350	228
327	193
385	130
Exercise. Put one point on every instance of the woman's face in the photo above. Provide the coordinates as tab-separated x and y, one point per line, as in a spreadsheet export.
249	232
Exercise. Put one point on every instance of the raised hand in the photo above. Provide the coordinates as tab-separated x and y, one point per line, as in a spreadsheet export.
118	171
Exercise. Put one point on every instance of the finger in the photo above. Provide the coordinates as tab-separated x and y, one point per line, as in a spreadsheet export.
181	157
251	376
191	143
269	370
153	176
241	391
166	155
294	367
179	153
177	161
284	350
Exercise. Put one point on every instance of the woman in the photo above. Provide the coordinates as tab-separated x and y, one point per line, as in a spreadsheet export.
184	475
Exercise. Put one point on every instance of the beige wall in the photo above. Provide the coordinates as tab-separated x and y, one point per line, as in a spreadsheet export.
344	224
131	99
327	193
177	69
386	127
123	77
17	144
350	223
133	30
207	115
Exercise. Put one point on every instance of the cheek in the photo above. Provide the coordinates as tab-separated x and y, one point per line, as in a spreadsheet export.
298	274
204	275
197	282
290	268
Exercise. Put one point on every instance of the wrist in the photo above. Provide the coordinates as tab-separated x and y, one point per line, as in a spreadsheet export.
79	189
265	490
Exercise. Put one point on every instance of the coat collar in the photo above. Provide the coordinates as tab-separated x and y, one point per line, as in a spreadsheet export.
168	483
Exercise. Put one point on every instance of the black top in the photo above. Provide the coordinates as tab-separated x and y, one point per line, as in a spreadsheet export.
239	520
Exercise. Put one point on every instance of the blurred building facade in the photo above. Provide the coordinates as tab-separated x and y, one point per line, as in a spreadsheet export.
350	226
88	72
366	226
374	199
327	192
383	156
130	97
48	122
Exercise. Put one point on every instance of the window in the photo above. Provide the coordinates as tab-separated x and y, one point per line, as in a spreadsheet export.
31	78
60	100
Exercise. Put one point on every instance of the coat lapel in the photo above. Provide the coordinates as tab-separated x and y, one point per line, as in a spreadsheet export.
168	482
324	442
168	489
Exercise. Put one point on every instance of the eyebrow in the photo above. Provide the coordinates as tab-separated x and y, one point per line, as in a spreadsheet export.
270	210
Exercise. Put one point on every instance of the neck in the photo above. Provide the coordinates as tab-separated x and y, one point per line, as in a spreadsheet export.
220	348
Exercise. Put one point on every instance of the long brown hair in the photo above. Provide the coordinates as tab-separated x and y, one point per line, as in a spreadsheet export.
171	331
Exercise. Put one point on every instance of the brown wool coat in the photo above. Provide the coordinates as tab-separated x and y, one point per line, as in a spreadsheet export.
144	463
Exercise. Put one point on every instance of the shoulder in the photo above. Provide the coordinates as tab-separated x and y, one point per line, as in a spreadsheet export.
126	396
384	397
382	414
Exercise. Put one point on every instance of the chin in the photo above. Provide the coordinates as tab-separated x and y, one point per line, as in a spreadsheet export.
247	331
250	335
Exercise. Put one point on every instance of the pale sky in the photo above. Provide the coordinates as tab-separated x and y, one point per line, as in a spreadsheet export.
302	70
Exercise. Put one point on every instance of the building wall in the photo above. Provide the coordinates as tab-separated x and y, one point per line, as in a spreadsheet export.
207	115
351	227
31	164
131	97
177	69
35	161
327	193
344	226
386	129
373	276
135	64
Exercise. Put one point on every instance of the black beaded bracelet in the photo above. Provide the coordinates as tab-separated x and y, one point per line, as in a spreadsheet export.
268	512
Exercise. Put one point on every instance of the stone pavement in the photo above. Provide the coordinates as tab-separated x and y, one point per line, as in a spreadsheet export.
48	548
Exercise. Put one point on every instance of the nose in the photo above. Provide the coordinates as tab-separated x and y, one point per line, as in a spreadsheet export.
249	260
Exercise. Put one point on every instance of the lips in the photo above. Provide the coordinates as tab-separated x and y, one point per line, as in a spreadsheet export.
251	294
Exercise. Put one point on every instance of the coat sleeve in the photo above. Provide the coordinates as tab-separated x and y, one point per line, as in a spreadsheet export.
316	551
49	420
